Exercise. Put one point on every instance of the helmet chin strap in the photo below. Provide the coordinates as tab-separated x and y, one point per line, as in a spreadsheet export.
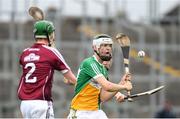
103	58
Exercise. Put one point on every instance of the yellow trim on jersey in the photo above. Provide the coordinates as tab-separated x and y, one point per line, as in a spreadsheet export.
87	99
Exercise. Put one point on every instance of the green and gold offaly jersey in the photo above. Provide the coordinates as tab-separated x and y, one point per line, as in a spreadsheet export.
87	89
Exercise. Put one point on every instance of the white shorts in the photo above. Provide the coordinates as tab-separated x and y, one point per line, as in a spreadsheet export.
37	109
98	114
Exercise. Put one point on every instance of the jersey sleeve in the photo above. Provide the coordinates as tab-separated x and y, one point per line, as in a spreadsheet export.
59	63
92	70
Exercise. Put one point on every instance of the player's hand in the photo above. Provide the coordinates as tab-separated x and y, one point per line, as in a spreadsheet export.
126	77
128	85
119	97
65	80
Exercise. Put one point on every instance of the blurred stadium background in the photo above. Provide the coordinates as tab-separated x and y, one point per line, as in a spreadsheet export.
157	34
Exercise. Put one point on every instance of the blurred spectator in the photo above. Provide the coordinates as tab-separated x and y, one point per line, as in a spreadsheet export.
166	111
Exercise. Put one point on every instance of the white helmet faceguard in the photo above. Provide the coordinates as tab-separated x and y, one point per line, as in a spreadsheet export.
101	39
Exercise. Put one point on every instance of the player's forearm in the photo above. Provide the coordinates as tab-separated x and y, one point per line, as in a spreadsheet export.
105	95
72	82
112	87
109	86
70	78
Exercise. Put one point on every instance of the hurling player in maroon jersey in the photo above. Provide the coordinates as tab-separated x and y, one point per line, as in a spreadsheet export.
38	64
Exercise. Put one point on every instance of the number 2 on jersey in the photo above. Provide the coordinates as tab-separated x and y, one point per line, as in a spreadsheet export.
32	69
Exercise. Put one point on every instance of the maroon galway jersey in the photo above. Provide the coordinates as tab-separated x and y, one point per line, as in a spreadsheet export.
38	63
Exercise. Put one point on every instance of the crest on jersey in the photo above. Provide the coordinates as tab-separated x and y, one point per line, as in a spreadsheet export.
31	57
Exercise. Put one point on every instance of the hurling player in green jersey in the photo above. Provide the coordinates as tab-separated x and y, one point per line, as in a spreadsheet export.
93	86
